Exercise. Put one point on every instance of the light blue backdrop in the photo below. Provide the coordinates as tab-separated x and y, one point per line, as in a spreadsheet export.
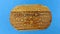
7	5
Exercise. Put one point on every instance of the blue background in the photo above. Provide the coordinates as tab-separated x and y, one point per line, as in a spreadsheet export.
7	5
